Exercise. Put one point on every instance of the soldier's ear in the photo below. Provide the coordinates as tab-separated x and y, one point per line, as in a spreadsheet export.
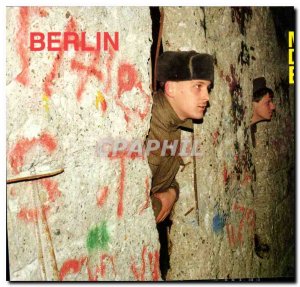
169	89
254	107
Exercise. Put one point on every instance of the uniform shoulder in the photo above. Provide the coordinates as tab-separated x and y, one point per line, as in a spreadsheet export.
159	119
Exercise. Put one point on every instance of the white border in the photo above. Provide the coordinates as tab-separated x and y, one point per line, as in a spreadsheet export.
100	3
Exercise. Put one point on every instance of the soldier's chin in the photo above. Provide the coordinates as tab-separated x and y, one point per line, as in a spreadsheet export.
269	118
198	116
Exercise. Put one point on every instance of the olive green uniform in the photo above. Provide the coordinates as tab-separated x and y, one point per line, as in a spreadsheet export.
165	125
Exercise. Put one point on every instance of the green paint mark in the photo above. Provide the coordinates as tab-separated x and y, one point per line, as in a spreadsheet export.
98	237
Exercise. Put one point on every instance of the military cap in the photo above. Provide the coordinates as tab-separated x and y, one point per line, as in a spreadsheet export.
260	88
259	84
185	66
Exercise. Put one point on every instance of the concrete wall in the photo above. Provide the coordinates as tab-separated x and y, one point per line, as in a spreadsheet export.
94	221
233	206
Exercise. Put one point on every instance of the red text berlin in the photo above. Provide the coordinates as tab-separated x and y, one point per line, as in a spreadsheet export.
57	41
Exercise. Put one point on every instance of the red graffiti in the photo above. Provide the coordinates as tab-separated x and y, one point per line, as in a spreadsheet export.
103	265
225	175
109	65
93	277
233	80
154	264
246	179
73	266
51	187
103	106
127	74
28	215
16	160
102	196
17	154
51	76
235	233
22	45
247	212
121	155
85	72
139	275
147	191
32	214
121	188
231	235
22	40
127	80
215	136
42	12
49	79
48	141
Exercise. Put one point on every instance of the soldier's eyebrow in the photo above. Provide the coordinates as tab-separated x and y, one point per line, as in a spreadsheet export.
200	82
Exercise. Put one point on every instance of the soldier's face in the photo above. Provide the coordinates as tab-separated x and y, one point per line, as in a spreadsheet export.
190	98
263	110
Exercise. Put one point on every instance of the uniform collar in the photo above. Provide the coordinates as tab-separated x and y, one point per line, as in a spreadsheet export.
173	122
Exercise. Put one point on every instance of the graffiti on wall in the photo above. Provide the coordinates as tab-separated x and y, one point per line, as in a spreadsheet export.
241	15
108	71
237	101
17	159
126	80
127	76
246	224
153	258
75	266
22	40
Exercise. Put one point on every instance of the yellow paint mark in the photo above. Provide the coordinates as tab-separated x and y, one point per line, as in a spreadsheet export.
46	103
99	99
291	39
291	75
291	56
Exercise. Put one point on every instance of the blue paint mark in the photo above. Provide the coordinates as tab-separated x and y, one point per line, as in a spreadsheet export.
218	223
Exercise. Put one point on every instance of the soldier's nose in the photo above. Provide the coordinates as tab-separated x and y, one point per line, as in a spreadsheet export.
273	106
206	96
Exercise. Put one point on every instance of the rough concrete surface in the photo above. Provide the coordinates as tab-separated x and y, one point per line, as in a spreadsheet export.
232	205
94	221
